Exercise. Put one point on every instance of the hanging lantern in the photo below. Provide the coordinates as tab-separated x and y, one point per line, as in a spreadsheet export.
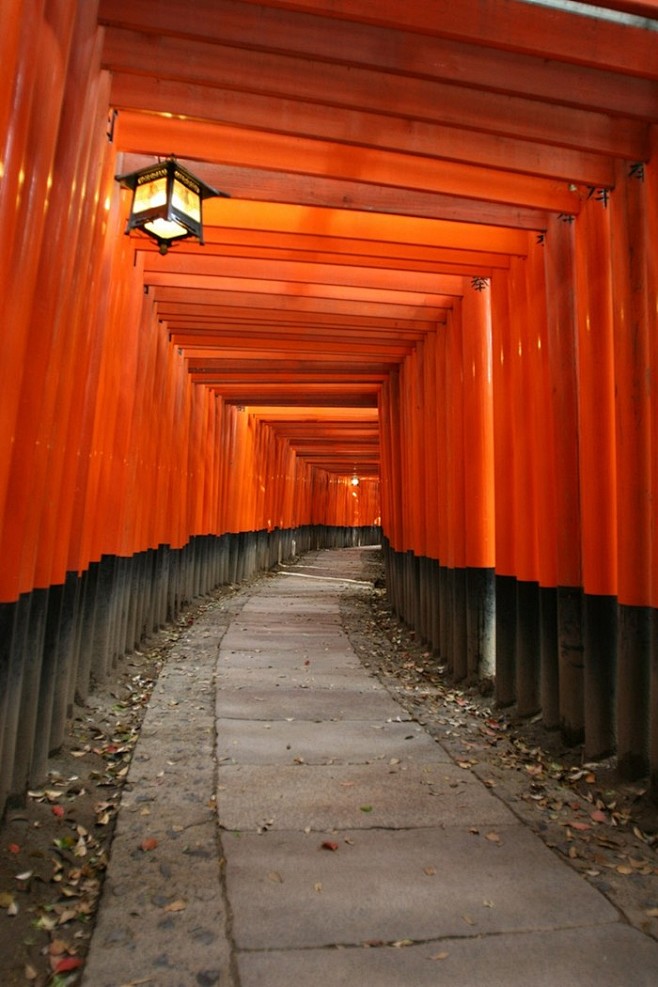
167	202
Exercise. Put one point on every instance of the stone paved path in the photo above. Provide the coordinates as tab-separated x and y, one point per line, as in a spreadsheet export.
286	823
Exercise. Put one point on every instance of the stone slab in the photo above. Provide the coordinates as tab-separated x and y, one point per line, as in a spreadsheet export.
281	703
604	956
421	884
303	677
280	605
403	795
349	742
296	657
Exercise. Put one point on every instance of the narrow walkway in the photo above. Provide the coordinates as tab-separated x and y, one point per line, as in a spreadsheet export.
351	849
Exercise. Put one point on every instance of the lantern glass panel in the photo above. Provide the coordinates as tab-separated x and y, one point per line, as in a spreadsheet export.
150	195
166	229
186	201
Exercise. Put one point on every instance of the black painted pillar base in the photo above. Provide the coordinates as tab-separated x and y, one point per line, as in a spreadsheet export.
28	718
66	648
549	676
633	678
571	662
435	606
480	625
653	712
446	595
527	647
505	684
459	634
600	654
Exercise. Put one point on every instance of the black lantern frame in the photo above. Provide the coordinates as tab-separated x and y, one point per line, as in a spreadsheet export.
167	202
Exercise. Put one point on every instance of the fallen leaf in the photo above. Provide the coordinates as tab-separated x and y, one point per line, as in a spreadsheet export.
652	912
469	920
317	887
30	973
329	845
440	956
365	808
400	943
493	837
58	811
67	964
14	848
6	899
176	906
580	826
430	871
148	844
68	915
275	877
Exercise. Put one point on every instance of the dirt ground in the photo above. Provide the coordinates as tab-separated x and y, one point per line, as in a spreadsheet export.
55	845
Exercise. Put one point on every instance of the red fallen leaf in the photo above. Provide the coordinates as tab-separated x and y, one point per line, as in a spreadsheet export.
148	844
67	964
598	816
575	824
329	845
57	810
14	848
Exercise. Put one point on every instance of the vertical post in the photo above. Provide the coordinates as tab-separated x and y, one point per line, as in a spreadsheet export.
633	294
456	502
563	360
478	481
597	455
525	491
505	498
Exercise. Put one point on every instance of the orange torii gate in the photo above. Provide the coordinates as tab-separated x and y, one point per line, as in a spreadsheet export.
436	274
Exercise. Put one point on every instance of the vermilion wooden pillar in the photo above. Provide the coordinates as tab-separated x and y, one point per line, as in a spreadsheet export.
30	146
432	470
525	398
545	484
633	296
528	438
478	481
597	454
443	526
38	51
651	180
24	46
505	497
565	710
454	465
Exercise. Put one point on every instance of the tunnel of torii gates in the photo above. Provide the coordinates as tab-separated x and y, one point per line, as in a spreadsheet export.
436	274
